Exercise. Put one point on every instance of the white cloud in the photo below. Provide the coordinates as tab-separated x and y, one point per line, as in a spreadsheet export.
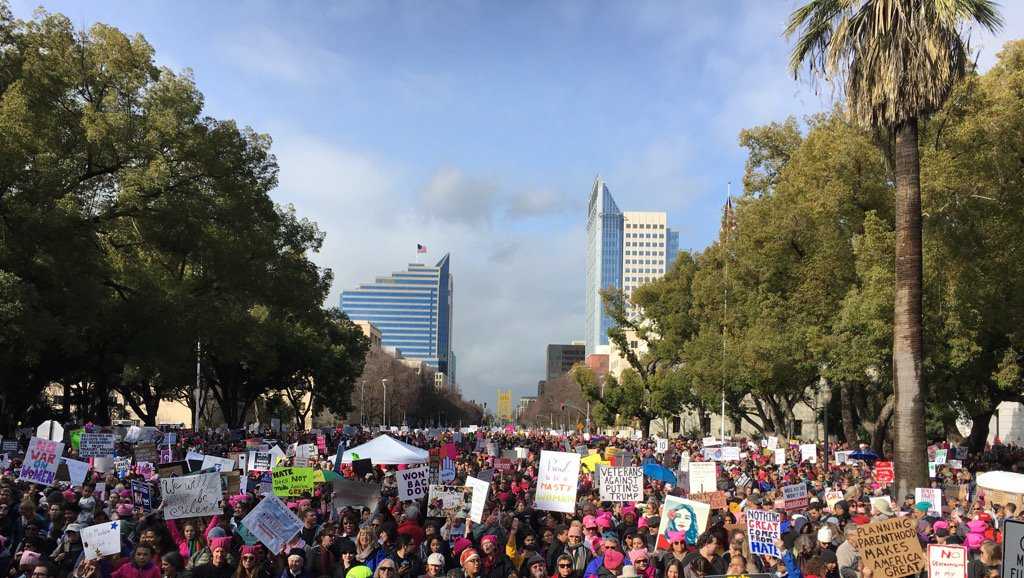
263	52
452	196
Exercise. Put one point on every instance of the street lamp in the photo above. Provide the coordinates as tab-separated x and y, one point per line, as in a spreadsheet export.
384	382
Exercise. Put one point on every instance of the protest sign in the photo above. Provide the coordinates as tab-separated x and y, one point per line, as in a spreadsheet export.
191	496
557	481
780	456
447	473
354	494
940	457
10	446
231	483
122	464
809	453
145	469
772	443
891	548
703	477
480	489
710	441
449	501
716	500
955	464
304	454
260	461
661	445
795	497
521	453
681	519
763	529
947	561
50	430
884	473
503	465
146	452
171	469
622	484
730	454
933	496
272	523
41	461
77	470
843	457
292	481
218	464
96	445
142	495
413	482
833	497
101	540
1013	549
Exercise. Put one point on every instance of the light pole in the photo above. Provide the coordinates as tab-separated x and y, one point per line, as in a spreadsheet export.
362	402
384	382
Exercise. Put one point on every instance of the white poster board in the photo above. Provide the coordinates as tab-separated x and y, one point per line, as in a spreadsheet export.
101	540
622	484
272	523
41	461
191	496
947	561
414	482
934	498
480	489
703	477
557	481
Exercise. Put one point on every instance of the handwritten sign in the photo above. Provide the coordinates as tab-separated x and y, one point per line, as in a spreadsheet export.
933	496
622	484
947	561
809	453
272	523
557	481
780	456
414	482
703	477
891	548
218	464
101	540
191	496
480	489
763	529
292	481
716	500
260	461
41	461
96	445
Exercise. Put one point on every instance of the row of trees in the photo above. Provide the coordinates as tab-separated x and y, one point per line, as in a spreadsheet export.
133	229
797	294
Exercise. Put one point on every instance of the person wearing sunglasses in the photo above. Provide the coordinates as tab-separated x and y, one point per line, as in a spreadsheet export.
386	569
564	567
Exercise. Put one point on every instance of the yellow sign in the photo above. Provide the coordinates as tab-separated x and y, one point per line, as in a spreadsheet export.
292	481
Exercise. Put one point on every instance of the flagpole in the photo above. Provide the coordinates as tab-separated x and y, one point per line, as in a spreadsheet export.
725	310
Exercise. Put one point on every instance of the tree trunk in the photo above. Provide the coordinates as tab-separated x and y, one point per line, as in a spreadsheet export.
908	347
979	431
846	408
880	429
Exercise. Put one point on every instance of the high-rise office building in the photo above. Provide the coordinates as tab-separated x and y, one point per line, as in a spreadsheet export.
413	311
646	248
561	358
604	261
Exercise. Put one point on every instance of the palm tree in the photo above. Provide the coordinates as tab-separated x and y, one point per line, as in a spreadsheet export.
895	61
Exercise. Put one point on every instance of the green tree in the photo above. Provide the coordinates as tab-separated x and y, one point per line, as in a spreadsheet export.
897	62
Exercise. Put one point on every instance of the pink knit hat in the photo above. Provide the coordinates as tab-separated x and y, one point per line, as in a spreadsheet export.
613	559
247	549
124	509
223	542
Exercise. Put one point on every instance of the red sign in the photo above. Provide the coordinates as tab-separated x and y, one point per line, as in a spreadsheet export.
884	474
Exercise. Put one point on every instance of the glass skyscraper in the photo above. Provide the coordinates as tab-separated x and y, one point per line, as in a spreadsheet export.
604	261
413	311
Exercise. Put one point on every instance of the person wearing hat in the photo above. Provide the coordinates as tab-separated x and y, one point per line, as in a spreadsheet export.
469	565
249	565
320	559
642	566
847	556
434	566
825	537
219	565
494	563
69	549
295	565
536	567
612	562
881	510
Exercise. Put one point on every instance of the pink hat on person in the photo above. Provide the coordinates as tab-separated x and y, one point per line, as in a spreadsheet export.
638	554
588	521
460	545
676	536
613	559
604	521
69	495
224	542
642	523
489	538
29	558
124	509
247	549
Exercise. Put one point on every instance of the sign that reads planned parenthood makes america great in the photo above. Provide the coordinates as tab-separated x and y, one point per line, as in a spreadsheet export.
557	481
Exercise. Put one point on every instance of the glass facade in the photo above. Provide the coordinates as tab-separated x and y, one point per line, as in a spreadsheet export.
413	311
671	248
604	260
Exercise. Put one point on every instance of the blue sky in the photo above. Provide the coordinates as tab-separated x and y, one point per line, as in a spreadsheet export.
477	128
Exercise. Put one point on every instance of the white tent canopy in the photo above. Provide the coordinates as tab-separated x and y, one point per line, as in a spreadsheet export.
1002	481
386	450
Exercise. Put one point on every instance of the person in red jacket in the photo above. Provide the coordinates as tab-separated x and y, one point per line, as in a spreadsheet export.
409	525
141	565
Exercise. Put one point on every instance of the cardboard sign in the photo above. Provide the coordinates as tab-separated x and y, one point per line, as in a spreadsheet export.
101	540
772	443
622	484
272	523
41	461
172	469
480	489
449	501
413	482
681	519
809	453
934	498
703	477
288	482
891	548
947	561
1013	549
304	454
96	445
191	496
716	500
354	494
146	452
557	481
795	497
763	529
780	457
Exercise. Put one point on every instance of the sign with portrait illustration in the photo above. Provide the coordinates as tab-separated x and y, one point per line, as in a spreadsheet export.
681	520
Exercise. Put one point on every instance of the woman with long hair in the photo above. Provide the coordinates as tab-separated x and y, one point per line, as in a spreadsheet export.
192	545
249	565
365	544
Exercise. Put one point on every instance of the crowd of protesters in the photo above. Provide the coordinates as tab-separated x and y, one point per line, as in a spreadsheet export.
40	527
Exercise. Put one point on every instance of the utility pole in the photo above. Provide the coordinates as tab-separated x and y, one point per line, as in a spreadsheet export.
384	382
